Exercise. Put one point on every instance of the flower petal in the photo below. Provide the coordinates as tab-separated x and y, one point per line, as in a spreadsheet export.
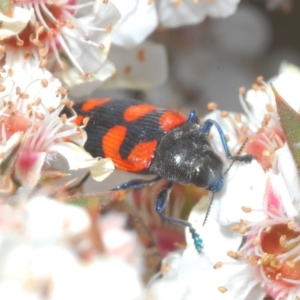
127	33
13	26
244	187
140	68
78	158
179	13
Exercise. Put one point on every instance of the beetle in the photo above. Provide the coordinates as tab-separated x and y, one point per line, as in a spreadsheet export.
144	139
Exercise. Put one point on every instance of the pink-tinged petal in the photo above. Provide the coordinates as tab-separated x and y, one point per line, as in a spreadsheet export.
272	199
277	198
18	122
28	167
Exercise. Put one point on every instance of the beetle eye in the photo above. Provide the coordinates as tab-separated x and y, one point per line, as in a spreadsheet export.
207	172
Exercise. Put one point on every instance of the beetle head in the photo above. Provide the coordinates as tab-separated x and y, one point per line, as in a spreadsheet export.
207	171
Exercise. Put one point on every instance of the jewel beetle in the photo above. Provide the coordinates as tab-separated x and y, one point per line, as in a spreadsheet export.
142	138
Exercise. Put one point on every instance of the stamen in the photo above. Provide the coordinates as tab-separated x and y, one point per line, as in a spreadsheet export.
48	12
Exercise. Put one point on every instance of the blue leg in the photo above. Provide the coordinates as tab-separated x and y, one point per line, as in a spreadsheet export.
136	184
193	118
162	201
205	129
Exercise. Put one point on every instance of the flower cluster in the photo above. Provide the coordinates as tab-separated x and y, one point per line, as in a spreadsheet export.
252	233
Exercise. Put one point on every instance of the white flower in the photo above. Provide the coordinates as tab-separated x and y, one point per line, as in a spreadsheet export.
141	68
82	30
126	33
46	250
174	13
260	100
45	132
267	262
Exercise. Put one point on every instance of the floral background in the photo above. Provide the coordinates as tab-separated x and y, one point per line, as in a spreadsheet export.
64	233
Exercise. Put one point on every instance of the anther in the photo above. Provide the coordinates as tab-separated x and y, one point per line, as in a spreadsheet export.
108	28
212	106
235	228
69	24
65	101
43	52
44	83
127	69
24	96
239	254
291	225
290	264
256	241
10	72
238	118
232	254
43	63
52	33
222	289
268	229
38	101
243	229
252	260
101	47
282	240
224	114
141	55
63	65
218	265
246	209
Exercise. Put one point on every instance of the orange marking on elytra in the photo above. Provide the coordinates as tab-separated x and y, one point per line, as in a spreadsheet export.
134	112
140	157
78	120
93	103
171	119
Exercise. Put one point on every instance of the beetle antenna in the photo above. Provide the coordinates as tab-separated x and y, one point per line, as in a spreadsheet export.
234	158
208	209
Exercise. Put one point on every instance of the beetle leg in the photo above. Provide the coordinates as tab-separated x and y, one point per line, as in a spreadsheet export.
193	118
136	184
205	129
162	201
